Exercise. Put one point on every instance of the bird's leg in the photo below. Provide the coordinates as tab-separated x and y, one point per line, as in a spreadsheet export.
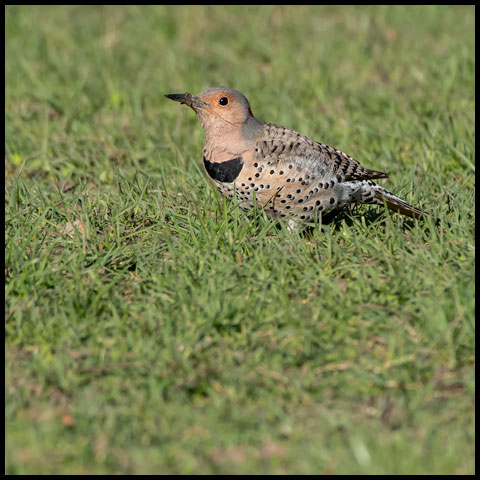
319	221
292	225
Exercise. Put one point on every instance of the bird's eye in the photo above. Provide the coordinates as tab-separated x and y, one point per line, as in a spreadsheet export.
223	101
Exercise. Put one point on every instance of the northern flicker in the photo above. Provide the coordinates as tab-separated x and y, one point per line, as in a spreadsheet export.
280	170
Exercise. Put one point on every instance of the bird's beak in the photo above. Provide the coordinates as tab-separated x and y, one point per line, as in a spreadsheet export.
187	99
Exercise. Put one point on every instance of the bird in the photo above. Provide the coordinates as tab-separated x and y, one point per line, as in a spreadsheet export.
275	168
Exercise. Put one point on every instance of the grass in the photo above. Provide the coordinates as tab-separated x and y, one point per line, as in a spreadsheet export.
152	327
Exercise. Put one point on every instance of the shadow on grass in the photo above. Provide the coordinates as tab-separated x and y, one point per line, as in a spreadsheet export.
351	215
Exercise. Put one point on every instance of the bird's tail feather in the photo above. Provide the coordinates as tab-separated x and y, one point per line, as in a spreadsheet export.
396	204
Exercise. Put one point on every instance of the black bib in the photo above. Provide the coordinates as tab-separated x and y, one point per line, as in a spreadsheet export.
225	172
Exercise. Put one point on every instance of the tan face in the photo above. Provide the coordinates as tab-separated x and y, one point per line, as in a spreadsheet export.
229	106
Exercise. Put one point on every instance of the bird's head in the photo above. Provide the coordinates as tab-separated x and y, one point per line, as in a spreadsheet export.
217	106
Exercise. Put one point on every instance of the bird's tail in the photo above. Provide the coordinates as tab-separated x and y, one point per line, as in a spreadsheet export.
383	196
367	191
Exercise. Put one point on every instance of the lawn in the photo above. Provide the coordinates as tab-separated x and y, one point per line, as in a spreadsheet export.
153	327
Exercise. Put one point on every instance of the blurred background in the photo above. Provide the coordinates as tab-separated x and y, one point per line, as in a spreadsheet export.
324	71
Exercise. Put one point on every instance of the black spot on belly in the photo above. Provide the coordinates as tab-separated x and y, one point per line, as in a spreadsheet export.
226	171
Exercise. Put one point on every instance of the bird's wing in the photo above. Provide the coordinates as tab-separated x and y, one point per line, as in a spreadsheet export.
283	145
350	168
